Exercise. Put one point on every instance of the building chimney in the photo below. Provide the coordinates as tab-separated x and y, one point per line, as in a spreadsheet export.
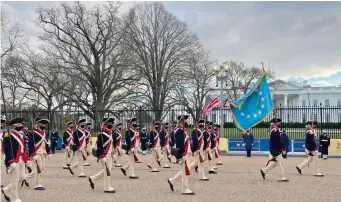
305	83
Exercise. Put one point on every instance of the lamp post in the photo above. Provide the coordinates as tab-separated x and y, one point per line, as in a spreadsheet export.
221	76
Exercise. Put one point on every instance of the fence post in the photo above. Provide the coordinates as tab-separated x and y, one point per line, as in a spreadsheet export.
321	118
292	146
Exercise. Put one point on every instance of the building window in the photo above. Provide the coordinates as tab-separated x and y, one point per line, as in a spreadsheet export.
304	116
315	117
314	102
326	102
303	102
328	118
339	102
214	116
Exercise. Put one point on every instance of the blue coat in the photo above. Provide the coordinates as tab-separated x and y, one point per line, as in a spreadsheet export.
248	140
275	142
102	138
310	143
129	141
285	140
206	135
172	139
77	135
162	136
195	135
180	143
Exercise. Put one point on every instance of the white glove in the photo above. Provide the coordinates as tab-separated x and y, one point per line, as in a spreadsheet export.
49	156
104	159
35	158
13	165
184	158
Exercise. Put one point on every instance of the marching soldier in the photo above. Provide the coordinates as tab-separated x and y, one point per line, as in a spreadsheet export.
276	148
67	142
131	144
207	146
154	145
182	143
164	142
136	129
39	151
213	148
15	158
217	141
198	149
2	131
324	144
79	149
104	154
117	142
144	141
88	142
311	150
172	138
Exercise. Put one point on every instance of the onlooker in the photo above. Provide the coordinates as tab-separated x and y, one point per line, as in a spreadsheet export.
54	140
248	141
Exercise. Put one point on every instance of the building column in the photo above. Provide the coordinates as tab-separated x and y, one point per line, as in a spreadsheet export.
285	100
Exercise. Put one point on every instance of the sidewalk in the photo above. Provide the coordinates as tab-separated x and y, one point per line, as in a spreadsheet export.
297	154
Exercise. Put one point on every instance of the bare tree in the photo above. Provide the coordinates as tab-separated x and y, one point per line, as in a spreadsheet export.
196	84
160	44
88	43
10	35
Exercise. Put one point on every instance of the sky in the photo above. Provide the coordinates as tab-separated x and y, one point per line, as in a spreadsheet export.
300	40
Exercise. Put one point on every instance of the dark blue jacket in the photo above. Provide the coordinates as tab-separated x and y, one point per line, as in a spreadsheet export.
206	136
172	138
102	138
180	143
54	138
11	146
275	141
195	135
162	136
77	135
212	140
310	143
285	140
248	140
152	135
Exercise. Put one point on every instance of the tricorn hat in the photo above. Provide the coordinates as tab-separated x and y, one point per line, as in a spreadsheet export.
15	121
108	120
119	124
81	121
40	120
156	122
311	122
131	120
183	117
199	120
275	120
69	124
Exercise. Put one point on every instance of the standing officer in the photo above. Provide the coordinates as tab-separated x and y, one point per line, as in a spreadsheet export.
15	158
324	144
198	149
67	141
285	143
164	142
88	146
155	145
117	142
79	148
39	151
144	141
311	150
182	143
131	144
104	154
248	142
275	150
54	140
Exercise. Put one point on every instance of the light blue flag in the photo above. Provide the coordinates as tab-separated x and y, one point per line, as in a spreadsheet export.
254	106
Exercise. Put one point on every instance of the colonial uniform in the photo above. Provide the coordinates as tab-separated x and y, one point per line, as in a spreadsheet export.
67	142
155	146
198	151
207	146
172	140
182	144
324	144
15	159
88	142
217	141
39	151
164	142
135	129
311	150
130	149
276	148
117	142
79	149
285	143
104	154
3	120
213	148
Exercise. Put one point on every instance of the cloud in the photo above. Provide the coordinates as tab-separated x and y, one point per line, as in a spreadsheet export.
301	39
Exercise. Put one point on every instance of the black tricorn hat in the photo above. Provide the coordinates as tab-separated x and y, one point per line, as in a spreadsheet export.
136	125
131	120
165	124
183	117
156	122
108	120
119	124
174	126
209	123
217	125
275	120
88	123
199	121
15	121
81	121
3	119
40	120
69	124
312	123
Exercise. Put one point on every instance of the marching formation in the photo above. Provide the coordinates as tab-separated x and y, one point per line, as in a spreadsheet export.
25	161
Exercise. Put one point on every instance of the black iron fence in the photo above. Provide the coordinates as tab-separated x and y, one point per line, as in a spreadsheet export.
294	119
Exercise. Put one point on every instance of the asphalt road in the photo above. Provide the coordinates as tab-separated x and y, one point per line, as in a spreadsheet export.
238	179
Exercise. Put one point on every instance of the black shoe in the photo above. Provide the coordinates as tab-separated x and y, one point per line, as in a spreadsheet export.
87	165
196	168
212	172
192	193
124	172
133	177
263	174
155	171
25	182
91	183
318	175
158	162
29	169
284	180
65	167
82	176
111	191
166	166
299	170
169	159
70	170
118	166
2	186
204	179
170	185
149	167
219	164
68	164
39	188
138	162
5	196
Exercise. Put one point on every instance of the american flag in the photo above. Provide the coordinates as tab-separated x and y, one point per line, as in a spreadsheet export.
209	104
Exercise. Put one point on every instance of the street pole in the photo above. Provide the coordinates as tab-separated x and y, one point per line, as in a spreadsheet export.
221	104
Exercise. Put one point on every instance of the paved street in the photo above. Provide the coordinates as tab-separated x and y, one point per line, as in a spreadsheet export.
237	180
